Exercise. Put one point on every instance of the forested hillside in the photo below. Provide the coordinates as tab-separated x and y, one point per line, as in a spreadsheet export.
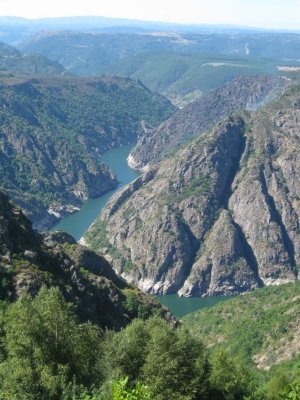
181	66
54	130
13	61
261	328
59	298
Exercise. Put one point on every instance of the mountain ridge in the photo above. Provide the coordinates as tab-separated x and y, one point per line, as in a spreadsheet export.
115	22
241	93
220	216
29	261
13	61
177	65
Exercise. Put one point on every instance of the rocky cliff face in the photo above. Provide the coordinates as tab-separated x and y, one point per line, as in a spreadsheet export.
53	132
221	216
29	260
240	94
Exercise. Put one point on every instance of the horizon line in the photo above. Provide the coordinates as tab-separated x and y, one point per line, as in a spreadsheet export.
160	22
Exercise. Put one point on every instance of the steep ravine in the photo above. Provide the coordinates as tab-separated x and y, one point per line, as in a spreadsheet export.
275	215
221	216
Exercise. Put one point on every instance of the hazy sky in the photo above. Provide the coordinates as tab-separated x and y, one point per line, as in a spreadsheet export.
263	13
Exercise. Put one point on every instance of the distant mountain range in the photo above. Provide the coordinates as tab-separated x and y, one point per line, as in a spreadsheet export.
173	64
98	22
15	29
179	61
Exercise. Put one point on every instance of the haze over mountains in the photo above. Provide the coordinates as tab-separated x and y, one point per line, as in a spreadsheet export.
12	60
15	29
179	61
170	63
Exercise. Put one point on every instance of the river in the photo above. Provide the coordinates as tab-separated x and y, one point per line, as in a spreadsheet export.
76	224
181	306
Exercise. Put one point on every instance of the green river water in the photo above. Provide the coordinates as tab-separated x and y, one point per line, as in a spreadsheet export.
181	306
76	224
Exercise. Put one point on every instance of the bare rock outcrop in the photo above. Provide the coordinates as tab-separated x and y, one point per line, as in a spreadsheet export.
220	216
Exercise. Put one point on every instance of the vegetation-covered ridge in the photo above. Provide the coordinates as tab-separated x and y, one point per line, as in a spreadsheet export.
13	61
220	216
273	315
260	327
46	353
29	261
54	130
178	65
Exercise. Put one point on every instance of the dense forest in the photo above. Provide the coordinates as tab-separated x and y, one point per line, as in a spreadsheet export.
47	354
70	328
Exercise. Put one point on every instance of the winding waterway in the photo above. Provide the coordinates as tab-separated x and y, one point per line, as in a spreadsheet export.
76	224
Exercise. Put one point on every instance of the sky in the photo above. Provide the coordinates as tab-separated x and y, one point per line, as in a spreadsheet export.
281	14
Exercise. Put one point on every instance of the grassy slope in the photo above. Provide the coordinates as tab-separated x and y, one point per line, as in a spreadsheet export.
171	73
261	327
